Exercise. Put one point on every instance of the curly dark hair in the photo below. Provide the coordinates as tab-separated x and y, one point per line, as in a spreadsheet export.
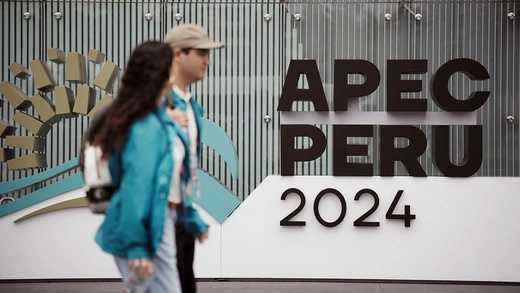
145	75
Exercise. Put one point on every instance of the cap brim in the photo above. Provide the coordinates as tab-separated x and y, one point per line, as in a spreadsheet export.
209	45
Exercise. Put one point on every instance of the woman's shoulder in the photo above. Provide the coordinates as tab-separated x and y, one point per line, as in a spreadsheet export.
150	124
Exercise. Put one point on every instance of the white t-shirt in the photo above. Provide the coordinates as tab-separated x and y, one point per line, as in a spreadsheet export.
178	158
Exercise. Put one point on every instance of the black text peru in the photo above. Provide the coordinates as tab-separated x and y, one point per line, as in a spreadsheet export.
388	153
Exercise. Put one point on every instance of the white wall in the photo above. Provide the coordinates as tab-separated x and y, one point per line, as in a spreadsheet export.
465	229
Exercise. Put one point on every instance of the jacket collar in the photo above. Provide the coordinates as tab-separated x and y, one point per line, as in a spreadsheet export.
161	113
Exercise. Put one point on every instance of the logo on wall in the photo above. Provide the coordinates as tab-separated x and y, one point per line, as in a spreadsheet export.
70	105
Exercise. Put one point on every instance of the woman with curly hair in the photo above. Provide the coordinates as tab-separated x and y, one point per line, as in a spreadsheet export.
142	145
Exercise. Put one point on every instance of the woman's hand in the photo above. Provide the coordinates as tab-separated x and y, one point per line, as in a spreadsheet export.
141	267
178	116
203	236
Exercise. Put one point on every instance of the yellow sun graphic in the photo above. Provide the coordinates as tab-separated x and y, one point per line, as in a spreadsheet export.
67	104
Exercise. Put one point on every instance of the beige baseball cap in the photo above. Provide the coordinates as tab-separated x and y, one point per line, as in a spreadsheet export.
187	36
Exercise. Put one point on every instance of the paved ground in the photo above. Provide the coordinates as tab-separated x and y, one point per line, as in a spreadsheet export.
265	287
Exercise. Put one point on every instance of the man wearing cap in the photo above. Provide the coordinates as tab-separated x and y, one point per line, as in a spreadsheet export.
190	45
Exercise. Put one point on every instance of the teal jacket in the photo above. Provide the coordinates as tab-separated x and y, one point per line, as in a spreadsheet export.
188	215
143	167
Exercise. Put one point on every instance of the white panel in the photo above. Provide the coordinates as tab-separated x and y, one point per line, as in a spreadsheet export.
208	256
60	245
465	230
56	245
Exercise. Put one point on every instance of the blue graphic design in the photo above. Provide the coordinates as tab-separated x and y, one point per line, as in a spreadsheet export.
67	184
10	186
219	201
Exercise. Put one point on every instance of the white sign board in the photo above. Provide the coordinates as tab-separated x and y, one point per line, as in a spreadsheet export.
465	229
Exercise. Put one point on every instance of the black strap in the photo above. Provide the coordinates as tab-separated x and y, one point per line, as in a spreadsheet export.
169	100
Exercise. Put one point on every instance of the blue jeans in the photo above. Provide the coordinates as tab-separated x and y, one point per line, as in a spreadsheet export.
165	278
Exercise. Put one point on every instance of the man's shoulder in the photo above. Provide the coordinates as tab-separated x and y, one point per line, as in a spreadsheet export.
197	108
